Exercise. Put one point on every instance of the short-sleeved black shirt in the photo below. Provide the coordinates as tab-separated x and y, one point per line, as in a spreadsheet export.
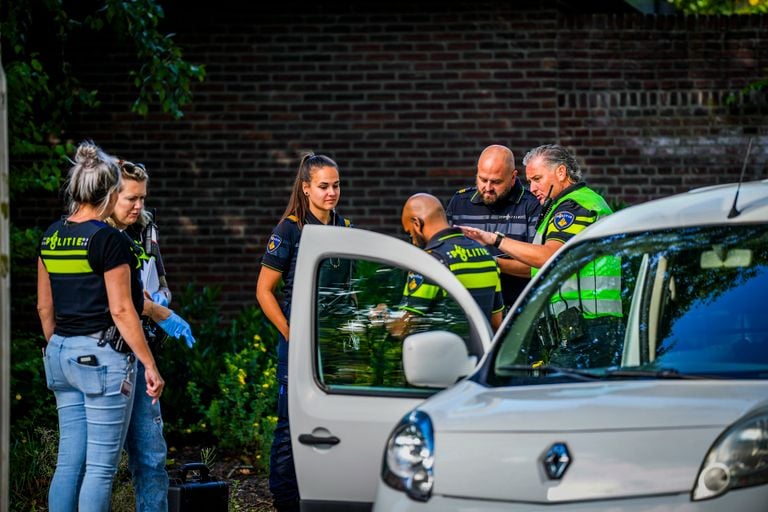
283	248
515	215
79	298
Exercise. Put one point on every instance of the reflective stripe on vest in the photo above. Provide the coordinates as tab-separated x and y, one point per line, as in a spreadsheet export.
597	290
476	277
66	262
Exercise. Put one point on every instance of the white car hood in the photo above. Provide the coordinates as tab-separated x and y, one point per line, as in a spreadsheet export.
627	438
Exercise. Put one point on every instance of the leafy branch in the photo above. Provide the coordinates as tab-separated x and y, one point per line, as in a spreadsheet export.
164	76
44	93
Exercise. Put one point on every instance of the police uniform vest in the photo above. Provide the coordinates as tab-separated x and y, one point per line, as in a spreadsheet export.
469	261
596	288
80	296
146	235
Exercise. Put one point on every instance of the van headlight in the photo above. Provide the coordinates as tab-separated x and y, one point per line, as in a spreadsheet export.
739	458
409	456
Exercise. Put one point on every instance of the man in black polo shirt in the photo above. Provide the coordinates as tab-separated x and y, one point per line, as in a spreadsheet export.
498	203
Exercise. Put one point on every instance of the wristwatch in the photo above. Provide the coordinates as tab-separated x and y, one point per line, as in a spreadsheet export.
499	238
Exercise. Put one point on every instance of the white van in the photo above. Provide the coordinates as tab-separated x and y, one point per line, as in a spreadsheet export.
662	405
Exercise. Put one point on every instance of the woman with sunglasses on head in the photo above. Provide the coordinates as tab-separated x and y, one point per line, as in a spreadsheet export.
145	444
87	285
314	196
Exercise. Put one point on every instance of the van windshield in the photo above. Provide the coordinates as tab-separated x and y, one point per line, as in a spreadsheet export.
681	303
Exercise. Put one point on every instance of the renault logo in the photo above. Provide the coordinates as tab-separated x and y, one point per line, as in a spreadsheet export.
556	461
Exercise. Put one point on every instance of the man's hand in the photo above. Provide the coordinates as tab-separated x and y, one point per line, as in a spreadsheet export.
378	315
484	237
396	322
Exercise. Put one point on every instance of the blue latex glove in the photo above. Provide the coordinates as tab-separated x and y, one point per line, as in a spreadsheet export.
160	298
177	327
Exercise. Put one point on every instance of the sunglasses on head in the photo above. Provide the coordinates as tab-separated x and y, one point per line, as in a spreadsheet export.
135	170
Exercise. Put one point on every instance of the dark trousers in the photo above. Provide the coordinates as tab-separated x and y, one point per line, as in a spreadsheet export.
282	473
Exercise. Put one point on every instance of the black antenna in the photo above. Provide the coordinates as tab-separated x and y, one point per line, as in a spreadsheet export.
734	211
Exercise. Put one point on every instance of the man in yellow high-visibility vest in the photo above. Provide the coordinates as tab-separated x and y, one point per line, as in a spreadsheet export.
568	207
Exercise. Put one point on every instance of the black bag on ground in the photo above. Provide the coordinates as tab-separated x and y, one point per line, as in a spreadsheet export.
198	492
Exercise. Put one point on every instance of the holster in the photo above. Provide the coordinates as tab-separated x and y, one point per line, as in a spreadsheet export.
112	336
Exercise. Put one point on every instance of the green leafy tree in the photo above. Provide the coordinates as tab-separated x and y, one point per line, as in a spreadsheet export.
727	7
44	93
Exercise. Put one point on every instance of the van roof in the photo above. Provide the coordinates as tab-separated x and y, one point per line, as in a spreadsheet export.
698	207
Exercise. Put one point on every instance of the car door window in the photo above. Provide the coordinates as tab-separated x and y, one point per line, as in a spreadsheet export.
356	350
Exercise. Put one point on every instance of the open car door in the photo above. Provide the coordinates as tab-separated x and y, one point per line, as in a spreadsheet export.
347	387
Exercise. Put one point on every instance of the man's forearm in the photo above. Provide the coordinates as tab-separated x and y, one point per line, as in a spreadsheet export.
513	267
532	255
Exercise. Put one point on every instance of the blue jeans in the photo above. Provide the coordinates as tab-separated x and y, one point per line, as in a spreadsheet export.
94	410
147	450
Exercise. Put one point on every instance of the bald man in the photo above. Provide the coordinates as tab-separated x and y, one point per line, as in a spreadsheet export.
498	203
556	179
425	221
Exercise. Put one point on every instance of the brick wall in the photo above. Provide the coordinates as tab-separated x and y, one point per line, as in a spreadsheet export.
643	100
404	96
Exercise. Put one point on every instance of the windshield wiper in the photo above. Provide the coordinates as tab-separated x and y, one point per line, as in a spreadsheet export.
549	370
666	373
535	371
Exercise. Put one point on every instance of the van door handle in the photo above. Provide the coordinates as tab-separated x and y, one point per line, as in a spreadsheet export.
312	439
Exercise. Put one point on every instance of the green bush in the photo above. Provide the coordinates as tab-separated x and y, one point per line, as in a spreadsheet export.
243	416
222	390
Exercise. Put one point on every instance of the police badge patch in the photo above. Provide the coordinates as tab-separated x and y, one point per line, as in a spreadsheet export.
414	281
273	244
563	220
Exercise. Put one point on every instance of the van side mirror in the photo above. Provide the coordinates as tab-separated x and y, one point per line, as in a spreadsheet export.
436	359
